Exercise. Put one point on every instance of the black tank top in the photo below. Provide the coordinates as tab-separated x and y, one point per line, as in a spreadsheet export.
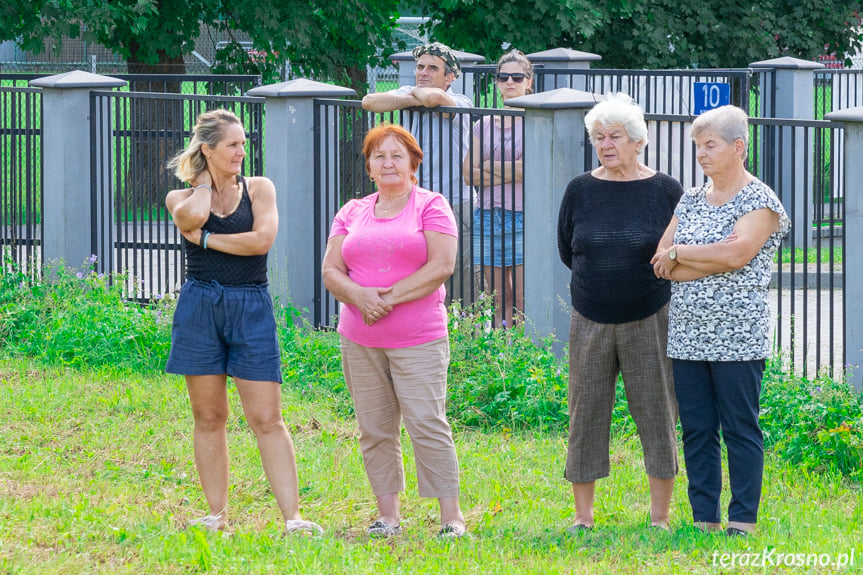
227	269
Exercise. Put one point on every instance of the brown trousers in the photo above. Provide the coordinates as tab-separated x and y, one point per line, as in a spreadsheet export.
597	353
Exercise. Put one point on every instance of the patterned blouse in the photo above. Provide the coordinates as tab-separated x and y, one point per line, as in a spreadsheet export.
725	316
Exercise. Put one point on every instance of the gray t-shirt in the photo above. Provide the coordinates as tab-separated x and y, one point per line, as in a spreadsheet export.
444	143
723	317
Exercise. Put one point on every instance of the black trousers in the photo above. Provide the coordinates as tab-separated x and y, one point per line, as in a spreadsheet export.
714	395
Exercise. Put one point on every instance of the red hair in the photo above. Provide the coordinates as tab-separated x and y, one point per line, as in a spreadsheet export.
376	136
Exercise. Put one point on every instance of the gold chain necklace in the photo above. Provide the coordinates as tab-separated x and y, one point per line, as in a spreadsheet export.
386	209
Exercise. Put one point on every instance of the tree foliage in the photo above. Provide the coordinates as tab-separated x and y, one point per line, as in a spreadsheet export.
653	33
326	39
723	33
485	26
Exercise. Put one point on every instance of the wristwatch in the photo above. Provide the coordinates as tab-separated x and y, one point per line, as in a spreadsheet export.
672	253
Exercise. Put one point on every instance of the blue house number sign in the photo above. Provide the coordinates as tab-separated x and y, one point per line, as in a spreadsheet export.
709	95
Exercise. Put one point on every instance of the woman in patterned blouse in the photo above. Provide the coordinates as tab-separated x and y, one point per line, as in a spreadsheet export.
718	252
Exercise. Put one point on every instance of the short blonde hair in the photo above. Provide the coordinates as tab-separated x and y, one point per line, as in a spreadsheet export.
618	110
209	129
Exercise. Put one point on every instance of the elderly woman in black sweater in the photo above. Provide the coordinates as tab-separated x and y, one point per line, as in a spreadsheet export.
610	223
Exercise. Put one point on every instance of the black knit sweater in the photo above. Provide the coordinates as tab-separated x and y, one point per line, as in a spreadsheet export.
606	234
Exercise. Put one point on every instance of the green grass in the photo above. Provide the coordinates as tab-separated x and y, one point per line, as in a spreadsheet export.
812	255
97	477
97	472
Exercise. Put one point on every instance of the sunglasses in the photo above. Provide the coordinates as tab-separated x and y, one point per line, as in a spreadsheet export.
502	77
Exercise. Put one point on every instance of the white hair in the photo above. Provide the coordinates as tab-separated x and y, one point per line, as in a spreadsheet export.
618	110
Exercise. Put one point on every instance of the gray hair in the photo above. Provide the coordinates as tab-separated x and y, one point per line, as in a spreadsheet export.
618	110
728	122
209	129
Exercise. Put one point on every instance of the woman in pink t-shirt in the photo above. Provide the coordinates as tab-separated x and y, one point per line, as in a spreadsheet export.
387	258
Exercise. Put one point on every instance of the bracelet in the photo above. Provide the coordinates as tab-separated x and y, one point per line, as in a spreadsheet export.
204	186
206	236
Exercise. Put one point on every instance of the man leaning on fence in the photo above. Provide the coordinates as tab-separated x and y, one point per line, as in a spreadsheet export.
444	142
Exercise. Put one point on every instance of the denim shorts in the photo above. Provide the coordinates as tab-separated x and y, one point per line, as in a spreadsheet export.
495	242
225	329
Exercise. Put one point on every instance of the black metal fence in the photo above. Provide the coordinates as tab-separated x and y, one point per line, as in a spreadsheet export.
657	91
205	84
805	158
340	175
21	197
836	90
133	135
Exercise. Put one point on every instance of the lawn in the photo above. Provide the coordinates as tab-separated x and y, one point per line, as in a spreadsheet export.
97	476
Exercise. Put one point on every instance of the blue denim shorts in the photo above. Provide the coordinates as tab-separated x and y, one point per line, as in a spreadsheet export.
225	329
495	242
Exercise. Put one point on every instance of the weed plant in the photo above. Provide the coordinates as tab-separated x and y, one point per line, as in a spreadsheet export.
81	319
816	425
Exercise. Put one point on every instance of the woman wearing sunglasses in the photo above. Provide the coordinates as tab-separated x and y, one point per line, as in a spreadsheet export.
493	165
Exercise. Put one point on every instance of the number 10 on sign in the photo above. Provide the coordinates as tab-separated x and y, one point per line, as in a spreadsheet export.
709	95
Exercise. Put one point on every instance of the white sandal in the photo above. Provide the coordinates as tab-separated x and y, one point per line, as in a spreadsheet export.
212	523
303	526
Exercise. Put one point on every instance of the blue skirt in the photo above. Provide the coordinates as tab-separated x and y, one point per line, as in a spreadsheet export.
498	237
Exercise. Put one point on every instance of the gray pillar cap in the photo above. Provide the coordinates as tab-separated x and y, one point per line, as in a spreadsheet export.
847	115
787	62
560	99
563	55
300	88
77	79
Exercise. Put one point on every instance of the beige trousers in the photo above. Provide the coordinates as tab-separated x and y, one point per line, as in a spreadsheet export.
391	384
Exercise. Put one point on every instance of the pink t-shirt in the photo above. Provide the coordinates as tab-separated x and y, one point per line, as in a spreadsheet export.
379	252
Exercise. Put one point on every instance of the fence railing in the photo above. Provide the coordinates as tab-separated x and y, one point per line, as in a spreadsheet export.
657	91
205	84
133	135
803	162
21	197
341	125
837	89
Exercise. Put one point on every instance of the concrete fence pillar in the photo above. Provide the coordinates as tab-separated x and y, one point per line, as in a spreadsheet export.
554	144
67	210
793	98
561	59
853	230
290	164
407	66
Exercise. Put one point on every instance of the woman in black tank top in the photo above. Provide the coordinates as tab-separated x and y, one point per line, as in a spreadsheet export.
224	323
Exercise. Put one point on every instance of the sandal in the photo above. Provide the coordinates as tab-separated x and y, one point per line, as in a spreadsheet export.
304	527
212	523
383	529
578	528
452	531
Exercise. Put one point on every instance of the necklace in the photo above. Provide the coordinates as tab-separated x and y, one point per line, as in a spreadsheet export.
234	207
392	202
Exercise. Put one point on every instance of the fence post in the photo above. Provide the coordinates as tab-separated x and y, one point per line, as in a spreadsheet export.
407	66
791	95
853	229
554	145
290	164
66	147
566	59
